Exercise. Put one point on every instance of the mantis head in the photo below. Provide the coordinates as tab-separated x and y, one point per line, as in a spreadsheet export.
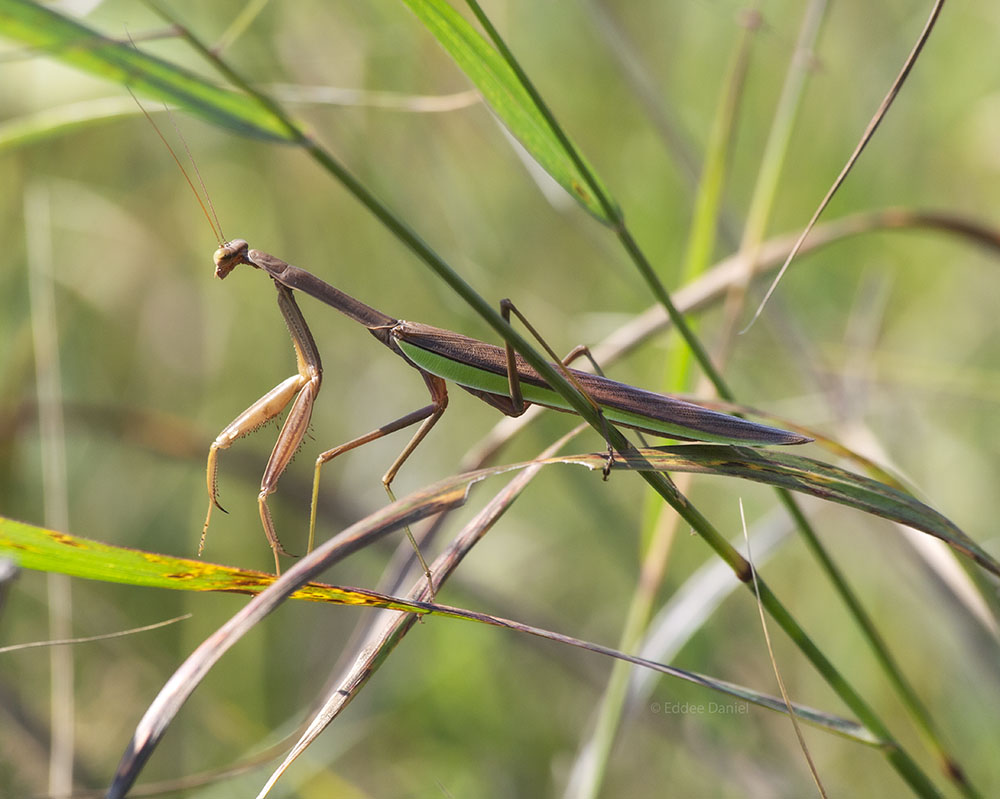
229	256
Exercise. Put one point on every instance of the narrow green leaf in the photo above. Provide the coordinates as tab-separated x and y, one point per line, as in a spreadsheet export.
814	477
83	48
500	87
35	548
47	550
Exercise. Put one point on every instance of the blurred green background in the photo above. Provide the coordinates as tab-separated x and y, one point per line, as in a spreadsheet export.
887	341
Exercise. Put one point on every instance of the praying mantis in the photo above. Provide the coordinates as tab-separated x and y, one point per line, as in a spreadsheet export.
496	375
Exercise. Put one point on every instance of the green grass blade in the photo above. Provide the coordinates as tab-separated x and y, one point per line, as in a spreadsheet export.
701	242
819	479
84	48
47	550
500	87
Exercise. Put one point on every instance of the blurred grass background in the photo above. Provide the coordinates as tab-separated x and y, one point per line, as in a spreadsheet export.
891	336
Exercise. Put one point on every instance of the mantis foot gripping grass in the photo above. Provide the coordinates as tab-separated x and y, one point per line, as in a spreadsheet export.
496	375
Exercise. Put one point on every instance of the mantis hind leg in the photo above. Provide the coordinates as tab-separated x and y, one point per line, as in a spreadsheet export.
517	401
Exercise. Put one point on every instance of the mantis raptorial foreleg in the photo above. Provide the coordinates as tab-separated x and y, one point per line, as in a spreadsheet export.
303	387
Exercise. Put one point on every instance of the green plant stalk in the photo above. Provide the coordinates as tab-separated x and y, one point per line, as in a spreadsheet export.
772	162
708	199
610	207
649	97
907	695
661	528
609	715
896	755
52	433
758	216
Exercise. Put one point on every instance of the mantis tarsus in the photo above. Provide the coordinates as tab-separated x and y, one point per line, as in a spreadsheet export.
497	375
